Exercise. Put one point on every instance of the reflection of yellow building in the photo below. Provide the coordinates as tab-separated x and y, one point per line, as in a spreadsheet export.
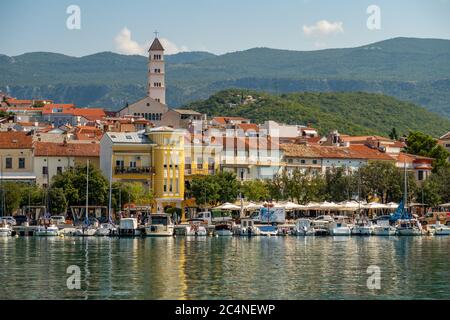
154	158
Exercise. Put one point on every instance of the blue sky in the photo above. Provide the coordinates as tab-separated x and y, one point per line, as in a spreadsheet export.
212	25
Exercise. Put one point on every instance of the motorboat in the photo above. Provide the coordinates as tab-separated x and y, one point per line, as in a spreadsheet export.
383	228
223	229
5	230
339	227
440	229
85	231
106	229
248	228
267	230
46	231
128	227
409	227
159	225
303	227
362	228
196	227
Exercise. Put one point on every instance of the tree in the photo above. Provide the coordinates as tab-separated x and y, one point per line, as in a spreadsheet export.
57	201
393	134
210	190
436	189
73	184
255	190
339	184
12	196
421	144
130	192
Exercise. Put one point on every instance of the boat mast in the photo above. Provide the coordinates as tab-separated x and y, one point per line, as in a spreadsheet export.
405	195
110	195
87	192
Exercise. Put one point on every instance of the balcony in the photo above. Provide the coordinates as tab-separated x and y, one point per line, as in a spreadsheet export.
132	170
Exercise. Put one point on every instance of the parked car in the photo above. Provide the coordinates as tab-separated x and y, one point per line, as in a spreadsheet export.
58	220
8	220
20	220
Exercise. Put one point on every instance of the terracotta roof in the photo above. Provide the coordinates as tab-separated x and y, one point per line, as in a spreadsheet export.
249	126
90	113
403	157
333	152
50	108
156	46
15	140
66	149
225	120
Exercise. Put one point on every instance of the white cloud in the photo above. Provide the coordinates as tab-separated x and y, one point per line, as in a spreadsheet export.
323	28
126	45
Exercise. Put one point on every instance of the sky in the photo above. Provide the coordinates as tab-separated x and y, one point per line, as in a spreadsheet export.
211	25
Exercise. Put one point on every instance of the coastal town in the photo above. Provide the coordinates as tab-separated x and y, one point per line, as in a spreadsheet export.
163	154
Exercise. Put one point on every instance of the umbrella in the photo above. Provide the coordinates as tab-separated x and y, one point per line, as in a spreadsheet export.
328	205
444	205
292	206
228	206
252	206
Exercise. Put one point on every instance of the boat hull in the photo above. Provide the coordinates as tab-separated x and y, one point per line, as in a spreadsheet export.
5	232
159	231
409	232
223	233
362	231
340	231
384	232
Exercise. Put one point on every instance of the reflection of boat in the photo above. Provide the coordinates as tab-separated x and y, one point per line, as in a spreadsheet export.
303	227
383	228
223	229
247	228
47	231
196	228
106	229
5	230
159	225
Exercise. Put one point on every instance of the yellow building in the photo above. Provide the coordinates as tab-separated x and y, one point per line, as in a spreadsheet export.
154	157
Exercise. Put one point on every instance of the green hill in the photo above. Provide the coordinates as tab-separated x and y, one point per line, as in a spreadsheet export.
411	69
351	113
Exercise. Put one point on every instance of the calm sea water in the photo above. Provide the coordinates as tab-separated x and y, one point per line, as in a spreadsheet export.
225	268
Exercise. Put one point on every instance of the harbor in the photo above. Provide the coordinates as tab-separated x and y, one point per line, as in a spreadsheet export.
332	267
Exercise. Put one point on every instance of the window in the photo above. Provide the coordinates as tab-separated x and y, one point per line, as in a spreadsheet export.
58	170
289	160
44	170
119	163
302	161
158	100
133	164
21	163
420	175
8	163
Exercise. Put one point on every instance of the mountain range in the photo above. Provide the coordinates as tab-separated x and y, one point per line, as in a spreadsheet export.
410	69
354	113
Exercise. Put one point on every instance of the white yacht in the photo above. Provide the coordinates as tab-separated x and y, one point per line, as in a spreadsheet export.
303	227
409	227
223	229
440	229
383	228
47	231
339	227
5	230
267	230
159	225
248	228
362	228
128	227
196	227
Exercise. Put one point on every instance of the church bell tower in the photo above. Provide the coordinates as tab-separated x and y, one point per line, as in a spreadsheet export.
156	87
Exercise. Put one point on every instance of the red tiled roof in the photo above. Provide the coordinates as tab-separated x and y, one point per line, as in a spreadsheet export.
15	140
224	120
66	108
90	113
248	126
333	152
66	149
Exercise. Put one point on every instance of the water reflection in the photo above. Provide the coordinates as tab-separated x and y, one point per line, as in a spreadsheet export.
225	268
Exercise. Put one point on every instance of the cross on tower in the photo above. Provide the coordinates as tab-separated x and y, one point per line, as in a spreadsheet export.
156	33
